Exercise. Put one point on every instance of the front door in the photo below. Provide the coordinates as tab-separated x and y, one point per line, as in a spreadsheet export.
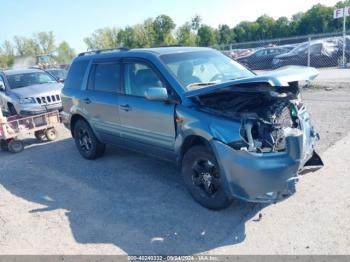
144	121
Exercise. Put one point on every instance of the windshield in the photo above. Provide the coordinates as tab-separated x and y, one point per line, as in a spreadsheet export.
198	69
300	48
29	79
59	74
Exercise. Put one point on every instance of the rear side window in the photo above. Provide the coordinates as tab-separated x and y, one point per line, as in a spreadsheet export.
105	77
76	74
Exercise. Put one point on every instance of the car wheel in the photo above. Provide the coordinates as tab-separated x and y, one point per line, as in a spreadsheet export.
40	135
15	146
87	143
51	134
12	110
202	177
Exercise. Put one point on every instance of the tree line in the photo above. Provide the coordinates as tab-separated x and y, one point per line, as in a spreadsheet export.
42	43
162	31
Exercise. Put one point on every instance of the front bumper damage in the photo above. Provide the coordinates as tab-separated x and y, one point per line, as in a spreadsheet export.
267	177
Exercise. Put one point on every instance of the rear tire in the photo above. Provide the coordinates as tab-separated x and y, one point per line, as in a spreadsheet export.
202	177
15	146
51	134
86	141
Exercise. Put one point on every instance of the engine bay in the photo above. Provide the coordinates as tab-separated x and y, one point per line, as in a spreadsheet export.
264	114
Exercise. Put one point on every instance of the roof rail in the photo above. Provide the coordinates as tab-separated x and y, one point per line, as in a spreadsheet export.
169	46
99	51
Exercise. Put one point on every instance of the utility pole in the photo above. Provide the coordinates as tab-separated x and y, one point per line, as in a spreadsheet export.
338	13
344	36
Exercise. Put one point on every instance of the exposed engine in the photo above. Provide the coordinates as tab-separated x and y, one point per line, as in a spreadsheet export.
264	116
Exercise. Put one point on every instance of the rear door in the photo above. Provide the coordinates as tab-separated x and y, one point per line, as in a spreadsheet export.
143	121
101	98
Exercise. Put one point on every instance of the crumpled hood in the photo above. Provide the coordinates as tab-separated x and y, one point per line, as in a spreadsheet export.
277	78
38	90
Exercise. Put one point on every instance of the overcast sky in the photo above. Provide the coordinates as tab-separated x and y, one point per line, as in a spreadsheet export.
72	20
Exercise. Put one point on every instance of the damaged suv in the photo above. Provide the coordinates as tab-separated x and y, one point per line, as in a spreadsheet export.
234	134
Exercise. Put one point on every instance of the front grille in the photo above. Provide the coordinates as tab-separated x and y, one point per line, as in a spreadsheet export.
47	100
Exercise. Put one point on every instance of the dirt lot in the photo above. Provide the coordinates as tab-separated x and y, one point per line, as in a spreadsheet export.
54	202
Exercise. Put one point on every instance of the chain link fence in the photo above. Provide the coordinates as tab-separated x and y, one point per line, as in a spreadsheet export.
320	51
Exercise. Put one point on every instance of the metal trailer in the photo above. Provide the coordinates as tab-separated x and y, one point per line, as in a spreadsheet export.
13	128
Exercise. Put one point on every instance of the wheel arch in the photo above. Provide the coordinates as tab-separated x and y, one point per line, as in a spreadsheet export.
190	141
74	119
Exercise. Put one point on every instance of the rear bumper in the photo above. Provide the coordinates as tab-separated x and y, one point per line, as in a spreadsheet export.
264	177
65	119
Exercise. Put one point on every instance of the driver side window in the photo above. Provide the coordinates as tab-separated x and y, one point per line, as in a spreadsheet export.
138	77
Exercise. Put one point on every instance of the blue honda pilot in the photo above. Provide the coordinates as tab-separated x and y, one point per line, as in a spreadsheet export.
234	134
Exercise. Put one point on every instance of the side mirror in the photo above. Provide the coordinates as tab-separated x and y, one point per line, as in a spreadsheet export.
2	86
156	93
60	80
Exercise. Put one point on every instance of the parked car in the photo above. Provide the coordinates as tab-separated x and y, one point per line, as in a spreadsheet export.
58	73
322	54
262	59
339	43
237	53
234	134
29	92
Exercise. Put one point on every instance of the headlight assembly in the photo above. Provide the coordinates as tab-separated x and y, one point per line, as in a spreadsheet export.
27	100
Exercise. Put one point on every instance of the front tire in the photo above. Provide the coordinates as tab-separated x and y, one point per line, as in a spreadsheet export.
86	141
202	177
15	146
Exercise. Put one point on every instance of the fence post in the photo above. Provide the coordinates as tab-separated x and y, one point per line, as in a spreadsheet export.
309	52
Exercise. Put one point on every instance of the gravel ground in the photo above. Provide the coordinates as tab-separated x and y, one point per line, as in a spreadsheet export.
330	111
55	202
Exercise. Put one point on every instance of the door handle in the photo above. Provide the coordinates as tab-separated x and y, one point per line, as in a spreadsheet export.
125	107
87	101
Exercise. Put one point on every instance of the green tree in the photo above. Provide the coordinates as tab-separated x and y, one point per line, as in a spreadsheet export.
294	25
7	54
163	26
265	27
207	36
246	31
318	19
196	22
141	37
185	36
26	47
45	41
65	53
281	27
148	26
103	38
226	35
127	37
